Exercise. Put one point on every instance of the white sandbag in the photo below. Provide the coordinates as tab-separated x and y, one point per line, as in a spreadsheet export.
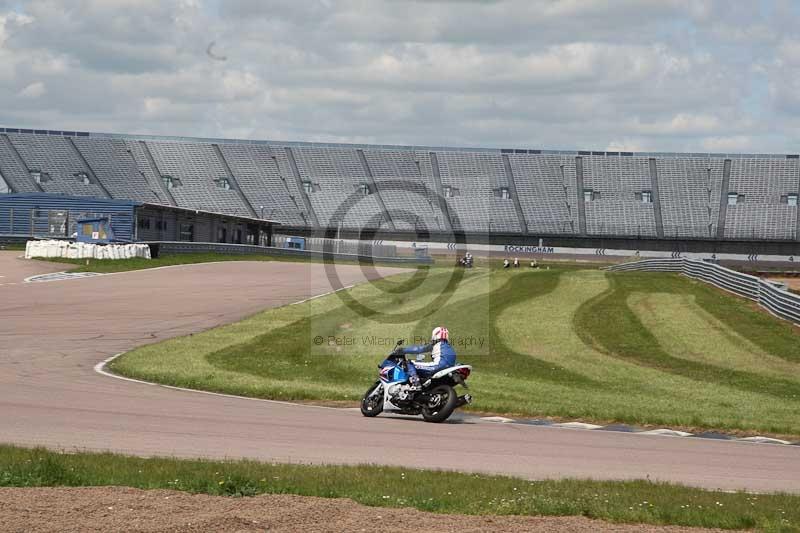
81	250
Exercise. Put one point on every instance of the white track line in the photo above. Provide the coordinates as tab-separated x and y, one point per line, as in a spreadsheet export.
100	368
152	269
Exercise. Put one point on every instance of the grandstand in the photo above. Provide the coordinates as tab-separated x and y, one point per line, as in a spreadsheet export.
406	191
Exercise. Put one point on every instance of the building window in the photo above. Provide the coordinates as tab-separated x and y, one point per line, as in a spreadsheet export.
502	193
222	234
186	232
734	198
449	191
223	183
590	195
40	177
170	182
145	223
364	189
789	199
83	178
308	187
646	197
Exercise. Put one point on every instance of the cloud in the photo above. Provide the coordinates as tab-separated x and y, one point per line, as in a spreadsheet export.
34	90
669	75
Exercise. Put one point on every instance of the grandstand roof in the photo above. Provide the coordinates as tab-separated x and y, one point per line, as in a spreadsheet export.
72	133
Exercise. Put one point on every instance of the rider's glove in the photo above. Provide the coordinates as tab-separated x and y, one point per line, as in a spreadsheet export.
420	357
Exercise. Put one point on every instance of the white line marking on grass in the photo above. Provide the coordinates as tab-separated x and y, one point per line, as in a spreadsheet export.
576	425
764	440
665	432
500	419
100	368
325	294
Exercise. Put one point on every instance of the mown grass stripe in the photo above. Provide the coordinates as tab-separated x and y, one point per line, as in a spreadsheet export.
629	339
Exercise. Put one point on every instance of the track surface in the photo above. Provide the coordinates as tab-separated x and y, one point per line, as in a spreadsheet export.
52	334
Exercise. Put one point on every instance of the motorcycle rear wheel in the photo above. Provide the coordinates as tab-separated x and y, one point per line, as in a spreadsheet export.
372	405
442	403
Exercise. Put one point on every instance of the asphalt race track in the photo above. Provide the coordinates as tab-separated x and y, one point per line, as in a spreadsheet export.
52	334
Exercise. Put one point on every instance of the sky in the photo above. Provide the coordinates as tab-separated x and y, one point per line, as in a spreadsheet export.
660	75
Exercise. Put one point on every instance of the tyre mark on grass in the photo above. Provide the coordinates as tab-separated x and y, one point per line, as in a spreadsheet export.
501	358
667	316
629	335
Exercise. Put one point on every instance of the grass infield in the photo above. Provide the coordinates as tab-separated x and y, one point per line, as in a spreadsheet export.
439	492
106	266
569	343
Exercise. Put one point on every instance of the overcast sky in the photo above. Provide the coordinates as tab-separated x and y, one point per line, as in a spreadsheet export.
660	75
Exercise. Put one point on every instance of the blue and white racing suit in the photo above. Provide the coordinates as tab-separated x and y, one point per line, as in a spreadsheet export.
442	354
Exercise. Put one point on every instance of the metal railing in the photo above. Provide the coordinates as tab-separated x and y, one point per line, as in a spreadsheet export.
178	247
780	303
341	246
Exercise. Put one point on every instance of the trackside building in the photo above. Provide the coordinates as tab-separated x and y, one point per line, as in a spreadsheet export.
42	215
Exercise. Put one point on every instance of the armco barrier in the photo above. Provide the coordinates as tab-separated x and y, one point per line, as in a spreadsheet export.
778	302
179	247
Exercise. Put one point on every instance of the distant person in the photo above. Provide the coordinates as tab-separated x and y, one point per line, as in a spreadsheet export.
534	264
506	264
516	262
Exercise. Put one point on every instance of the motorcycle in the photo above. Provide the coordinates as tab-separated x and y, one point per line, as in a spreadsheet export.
435	400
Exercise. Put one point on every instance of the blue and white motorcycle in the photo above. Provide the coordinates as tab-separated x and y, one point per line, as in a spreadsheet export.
435	400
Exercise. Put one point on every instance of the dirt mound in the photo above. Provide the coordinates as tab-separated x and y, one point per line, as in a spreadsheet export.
134	510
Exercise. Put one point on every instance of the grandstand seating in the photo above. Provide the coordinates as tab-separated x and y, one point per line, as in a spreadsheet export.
256	170
14	172
55	157
116	169
197	167
474	179
547	192
420	189
761	182
690	195
337	175
617	211
409	195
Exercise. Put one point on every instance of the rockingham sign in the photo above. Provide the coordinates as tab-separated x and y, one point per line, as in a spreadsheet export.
530	249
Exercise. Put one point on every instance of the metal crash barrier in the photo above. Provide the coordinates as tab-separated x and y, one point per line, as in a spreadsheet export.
780	303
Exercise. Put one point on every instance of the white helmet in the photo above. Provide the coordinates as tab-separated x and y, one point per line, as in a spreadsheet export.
439	333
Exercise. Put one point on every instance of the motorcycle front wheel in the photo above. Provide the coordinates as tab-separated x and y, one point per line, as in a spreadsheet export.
442	400
372	402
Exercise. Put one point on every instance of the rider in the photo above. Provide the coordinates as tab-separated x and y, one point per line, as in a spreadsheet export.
442	354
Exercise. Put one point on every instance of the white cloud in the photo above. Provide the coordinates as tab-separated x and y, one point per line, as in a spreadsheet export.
668	75
34	90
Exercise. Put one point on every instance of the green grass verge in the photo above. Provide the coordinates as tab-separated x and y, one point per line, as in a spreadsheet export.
439	492
645	349
106	266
